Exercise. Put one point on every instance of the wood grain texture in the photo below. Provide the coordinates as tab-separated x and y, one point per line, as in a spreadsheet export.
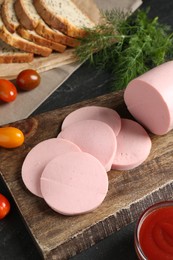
130	192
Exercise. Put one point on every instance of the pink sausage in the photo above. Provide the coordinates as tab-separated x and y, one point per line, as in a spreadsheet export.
37	159
104	114
74	183
149	98
94	137
133	146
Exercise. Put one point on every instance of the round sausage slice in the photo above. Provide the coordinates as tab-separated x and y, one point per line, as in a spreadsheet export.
133	146
104	114
37	159
94	137
149	98
74	183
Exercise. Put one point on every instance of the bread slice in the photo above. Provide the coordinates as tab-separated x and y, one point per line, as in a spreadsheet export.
54	35
64	16
8	15
9	54
26	14
34	37
30	19
18	42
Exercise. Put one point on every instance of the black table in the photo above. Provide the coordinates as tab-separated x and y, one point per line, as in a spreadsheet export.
15	240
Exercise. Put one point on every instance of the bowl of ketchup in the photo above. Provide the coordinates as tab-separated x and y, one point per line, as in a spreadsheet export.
154	232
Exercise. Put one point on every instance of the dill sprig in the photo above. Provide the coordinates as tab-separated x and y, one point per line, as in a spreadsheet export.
126	45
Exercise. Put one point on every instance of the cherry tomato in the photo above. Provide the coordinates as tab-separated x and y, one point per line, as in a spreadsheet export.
4	206
28	79
11	137
8	91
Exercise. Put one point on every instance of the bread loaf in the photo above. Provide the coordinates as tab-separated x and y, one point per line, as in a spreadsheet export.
11	22
64	16
9	54
30	19
24	33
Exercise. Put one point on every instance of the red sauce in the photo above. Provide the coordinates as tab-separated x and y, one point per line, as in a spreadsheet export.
156	234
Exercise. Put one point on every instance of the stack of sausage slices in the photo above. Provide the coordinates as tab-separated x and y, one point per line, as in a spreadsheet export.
71	171
39	27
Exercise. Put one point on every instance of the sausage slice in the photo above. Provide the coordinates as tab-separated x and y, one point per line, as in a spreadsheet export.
94	137
37	159
74	183
133	146
104	114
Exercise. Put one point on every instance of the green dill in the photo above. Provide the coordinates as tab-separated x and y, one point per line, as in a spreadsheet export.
126	45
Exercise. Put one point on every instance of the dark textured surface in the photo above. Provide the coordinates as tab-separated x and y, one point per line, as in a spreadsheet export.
16	242
85	83
118	246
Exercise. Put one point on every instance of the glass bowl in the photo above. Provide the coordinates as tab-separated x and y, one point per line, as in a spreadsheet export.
153	236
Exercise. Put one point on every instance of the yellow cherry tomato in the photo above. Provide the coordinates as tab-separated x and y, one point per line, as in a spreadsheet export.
11	137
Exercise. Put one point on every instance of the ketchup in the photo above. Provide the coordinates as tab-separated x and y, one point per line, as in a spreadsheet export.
155	232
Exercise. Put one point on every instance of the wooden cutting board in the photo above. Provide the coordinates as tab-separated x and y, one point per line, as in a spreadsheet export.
130	192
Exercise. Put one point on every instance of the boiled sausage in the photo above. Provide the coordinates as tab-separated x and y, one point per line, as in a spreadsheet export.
37	159
94	137
104	114
133	146
74	183
149	98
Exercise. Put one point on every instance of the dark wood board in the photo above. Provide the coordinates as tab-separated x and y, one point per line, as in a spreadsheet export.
130	192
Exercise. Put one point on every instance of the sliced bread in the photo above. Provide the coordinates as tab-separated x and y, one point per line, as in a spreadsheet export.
8	15
64	16
30	19
34	37
18	42
9	54
11	22
55	35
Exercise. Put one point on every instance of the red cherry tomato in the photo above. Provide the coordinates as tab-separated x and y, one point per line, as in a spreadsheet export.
4	206
8	91
28	79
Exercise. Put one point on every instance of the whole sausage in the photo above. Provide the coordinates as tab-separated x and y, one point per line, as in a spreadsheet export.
149	98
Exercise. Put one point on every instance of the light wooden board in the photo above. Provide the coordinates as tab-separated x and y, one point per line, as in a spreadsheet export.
41	64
